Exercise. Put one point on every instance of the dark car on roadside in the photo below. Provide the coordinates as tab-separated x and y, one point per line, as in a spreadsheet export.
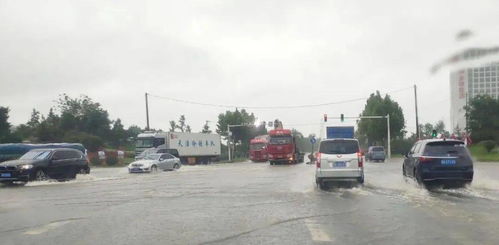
43	164
439	161
375	154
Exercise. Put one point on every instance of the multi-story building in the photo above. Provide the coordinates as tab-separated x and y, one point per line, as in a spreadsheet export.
468	83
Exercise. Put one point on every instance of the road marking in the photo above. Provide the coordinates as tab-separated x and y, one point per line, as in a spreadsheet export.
316	232
45	228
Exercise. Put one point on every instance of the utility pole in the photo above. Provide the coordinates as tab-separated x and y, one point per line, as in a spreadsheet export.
389	143
147	113
416	106
228	142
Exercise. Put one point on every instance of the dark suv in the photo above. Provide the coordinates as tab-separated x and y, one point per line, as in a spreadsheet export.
42	164
439	161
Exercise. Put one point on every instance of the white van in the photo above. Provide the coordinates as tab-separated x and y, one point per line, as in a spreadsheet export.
339	160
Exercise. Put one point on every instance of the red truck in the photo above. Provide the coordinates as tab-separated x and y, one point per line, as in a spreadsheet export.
282	147
258	149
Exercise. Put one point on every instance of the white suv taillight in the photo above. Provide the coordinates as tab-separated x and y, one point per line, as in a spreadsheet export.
360	160
318	159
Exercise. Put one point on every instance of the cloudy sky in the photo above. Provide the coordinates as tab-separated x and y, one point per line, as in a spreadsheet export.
250	53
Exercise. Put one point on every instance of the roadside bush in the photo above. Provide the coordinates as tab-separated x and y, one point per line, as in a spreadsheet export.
94	160
129	154
111	158
489	145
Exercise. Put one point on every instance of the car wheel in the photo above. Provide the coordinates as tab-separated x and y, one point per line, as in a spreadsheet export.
84	171
418	177
40	175
154	169
176	166
322	185
360	180
403	170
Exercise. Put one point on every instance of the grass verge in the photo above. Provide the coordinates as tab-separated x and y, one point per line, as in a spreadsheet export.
480	154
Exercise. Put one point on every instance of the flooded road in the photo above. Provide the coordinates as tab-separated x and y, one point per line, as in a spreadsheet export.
249	203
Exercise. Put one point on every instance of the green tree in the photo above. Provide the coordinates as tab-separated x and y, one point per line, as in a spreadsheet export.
182	125
427	129
206	128
173	126
375	129
240	134
483	118
83	114
133	131
118	134
4	124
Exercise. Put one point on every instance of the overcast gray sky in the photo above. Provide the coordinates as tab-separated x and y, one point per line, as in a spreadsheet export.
257	53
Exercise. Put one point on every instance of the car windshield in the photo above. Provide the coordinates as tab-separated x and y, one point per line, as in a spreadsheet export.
257	146
446	149
153	156
339	147
35	155
144	142
280	140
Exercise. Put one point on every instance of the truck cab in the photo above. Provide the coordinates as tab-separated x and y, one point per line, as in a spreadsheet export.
282	147
148	140
258	150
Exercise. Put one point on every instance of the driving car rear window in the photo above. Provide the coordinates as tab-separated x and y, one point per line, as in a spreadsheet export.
379	148
444	148
339	147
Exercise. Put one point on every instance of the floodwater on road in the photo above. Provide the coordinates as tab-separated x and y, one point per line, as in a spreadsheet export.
249	203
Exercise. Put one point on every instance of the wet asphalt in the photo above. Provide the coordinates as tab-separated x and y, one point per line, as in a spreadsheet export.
249	203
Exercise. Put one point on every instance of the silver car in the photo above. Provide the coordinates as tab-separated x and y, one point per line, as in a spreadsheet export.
339	160
154	162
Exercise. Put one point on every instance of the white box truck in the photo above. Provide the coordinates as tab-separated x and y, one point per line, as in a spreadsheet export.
194	148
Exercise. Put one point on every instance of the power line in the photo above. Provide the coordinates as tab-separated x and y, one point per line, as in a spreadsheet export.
270	107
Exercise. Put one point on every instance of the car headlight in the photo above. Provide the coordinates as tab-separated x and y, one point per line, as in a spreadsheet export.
25	166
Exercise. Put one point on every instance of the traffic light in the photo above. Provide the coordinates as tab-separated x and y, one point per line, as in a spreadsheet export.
434	133
325	117
342	118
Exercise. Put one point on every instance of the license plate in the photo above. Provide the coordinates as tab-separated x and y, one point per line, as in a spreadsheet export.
448	162
339	164
5	175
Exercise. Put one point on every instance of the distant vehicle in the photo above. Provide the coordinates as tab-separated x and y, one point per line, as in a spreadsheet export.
376	153
258	149
339	160
282	147
155	162
439	160
14	151
340	132
159	149
148	140
43	164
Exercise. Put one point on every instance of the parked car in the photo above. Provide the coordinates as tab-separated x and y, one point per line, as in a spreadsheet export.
339	160
376	153
439	160
43	164
153	162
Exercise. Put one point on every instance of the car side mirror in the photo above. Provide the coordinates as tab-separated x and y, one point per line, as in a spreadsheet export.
406	155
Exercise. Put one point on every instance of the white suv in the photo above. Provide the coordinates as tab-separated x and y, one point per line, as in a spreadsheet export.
339	160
